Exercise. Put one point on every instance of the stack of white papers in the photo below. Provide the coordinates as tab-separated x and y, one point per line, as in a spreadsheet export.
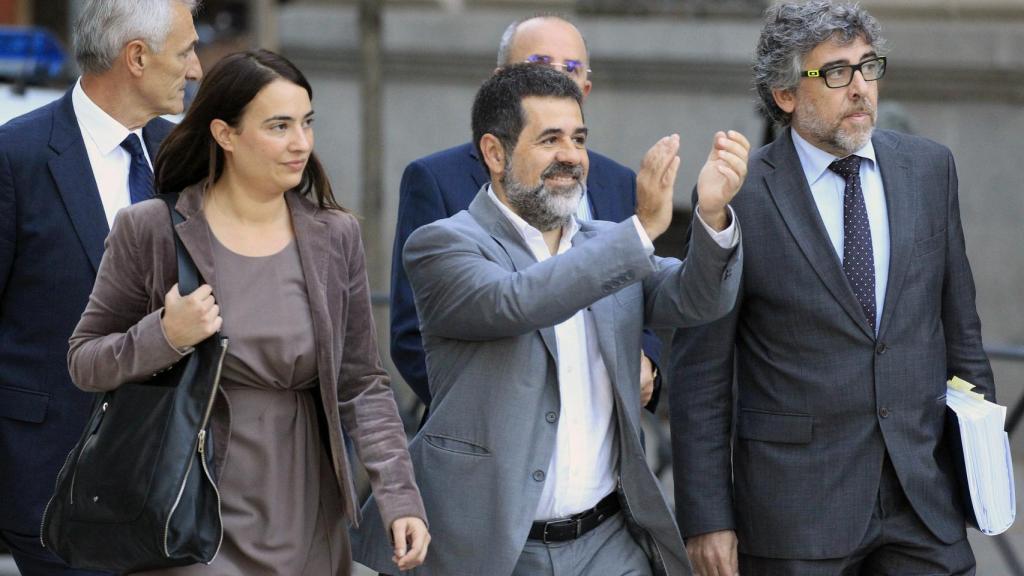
986	466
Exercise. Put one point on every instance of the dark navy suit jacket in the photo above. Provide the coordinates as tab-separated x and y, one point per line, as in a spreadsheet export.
52	228
444	183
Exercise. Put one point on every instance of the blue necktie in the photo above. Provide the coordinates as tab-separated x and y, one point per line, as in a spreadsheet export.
858	256
140	176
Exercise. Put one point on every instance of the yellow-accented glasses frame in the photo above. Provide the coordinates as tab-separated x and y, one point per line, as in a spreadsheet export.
570	67
842	75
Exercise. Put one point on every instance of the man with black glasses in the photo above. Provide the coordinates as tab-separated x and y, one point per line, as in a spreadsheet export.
857	305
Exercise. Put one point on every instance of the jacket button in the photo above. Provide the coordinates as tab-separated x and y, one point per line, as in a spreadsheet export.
551	417
881	348
538	475
883	412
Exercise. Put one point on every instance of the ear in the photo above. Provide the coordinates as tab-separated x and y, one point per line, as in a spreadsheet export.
586	88
785	99
135	54
494	155
221	132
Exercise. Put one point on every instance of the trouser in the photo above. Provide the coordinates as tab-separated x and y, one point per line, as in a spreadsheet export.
608	550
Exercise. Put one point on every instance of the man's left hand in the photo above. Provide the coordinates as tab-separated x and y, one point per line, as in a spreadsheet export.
646	379
721	177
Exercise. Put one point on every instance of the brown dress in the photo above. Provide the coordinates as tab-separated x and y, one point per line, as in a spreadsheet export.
279	500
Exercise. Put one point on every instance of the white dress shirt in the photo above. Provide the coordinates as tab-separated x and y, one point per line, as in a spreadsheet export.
584	464
110	163
828	188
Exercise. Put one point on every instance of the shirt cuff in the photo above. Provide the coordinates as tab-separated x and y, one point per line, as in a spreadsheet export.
726	238
648	245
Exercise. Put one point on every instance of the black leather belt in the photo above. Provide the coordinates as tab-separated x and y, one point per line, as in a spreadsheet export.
576	525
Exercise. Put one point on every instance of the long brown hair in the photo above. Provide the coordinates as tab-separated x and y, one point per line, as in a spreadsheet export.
190	154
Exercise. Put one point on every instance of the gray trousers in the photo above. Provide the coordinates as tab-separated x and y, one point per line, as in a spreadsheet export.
608	550
897	543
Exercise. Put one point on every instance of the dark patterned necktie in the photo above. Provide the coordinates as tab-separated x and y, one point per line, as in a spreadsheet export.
858	256
140	176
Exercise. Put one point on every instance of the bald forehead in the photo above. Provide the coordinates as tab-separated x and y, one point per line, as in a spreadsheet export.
549	36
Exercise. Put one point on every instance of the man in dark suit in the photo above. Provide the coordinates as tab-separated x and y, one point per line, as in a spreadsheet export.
857	305
65	171
442	184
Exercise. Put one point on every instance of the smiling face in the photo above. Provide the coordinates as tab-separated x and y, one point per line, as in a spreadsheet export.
543	177
837	120
273	140
167	71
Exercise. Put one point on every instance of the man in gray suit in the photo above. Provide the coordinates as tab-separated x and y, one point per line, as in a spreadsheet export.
857	305
531	461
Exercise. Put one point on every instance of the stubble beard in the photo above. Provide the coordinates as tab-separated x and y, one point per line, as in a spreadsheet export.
833	135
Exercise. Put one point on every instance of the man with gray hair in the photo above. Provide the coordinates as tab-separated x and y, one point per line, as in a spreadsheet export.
443	183
65	170
857	305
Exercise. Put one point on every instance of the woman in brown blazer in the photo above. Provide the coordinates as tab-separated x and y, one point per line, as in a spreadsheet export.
286	284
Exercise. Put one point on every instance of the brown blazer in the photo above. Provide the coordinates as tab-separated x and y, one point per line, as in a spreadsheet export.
120	339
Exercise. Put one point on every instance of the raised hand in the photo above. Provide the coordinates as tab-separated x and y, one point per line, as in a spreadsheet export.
654	185
721	177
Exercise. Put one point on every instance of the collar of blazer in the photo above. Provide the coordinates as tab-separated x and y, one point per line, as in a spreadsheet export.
491	220
72	172
312	235
792	195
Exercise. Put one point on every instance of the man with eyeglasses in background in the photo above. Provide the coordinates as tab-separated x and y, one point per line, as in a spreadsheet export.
857	305
444	183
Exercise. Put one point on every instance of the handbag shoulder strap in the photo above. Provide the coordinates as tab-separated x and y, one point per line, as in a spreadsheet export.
188	276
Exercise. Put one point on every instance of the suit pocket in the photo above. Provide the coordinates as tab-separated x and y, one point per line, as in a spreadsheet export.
23	405
774	426
449	444
930	244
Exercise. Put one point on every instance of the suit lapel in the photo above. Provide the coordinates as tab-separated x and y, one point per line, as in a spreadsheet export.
75	181
313	237
792	196
195	233
900	198
605	322
504	233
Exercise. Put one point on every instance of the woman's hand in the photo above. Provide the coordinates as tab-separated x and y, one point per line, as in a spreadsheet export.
411	539
188	320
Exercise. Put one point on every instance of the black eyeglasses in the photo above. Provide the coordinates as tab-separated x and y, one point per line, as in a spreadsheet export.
841	76
571	67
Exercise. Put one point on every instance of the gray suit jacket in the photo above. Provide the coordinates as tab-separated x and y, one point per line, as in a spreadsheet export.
820	399
487	310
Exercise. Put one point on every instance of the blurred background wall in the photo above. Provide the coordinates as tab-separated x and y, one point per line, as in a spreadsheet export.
394	80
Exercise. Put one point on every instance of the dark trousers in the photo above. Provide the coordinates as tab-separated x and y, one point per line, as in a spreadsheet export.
896	543
34	560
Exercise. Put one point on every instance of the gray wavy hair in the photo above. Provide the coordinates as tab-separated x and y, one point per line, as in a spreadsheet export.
103	27
791	31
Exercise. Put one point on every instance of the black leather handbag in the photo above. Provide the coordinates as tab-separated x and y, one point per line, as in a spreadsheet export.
137	491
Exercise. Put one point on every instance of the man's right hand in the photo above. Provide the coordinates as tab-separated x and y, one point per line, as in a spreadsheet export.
654	185
714	553
188	320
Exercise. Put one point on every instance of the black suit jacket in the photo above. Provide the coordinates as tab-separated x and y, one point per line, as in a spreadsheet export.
52	228
820	399
442	184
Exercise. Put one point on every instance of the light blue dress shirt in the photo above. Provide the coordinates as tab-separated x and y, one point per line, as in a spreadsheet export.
827	187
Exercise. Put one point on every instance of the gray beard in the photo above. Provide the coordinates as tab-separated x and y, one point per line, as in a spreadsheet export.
834	136
543	208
